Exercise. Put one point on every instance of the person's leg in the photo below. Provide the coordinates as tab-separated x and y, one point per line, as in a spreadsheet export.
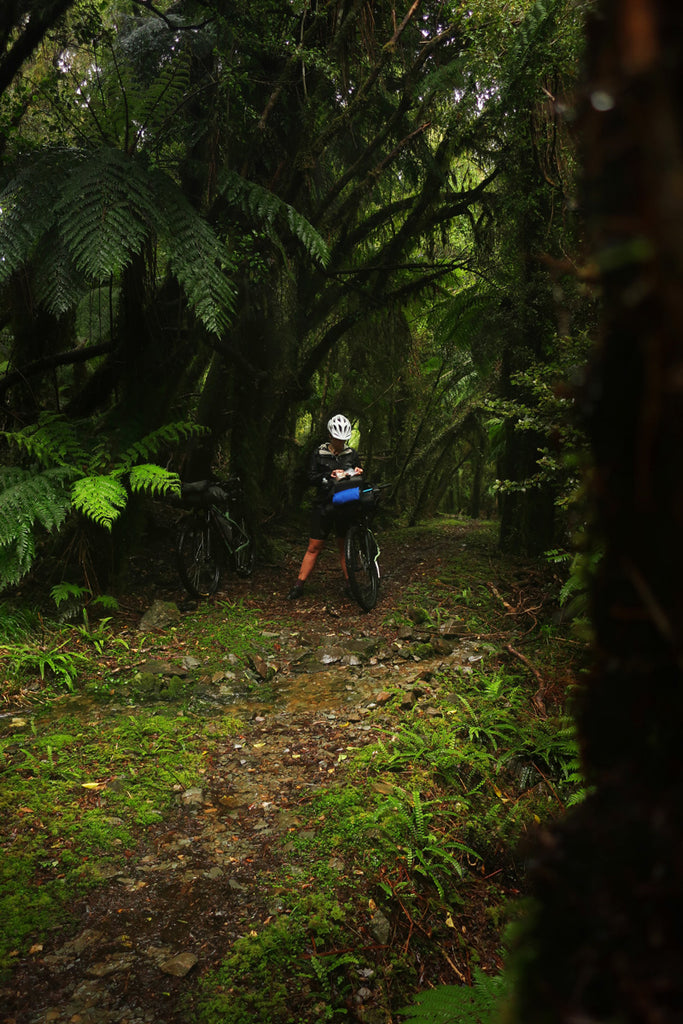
315	546
341	541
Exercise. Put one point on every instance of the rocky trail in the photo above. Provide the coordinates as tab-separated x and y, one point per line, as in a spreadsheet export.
191	884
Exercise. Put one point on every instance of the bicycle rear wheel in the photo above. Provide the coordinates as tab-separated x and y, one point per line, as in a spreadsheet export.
198	558
360	551
243	553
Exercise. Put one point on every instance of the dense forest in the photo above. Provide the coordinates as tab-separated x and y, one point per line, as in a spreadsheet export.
459	225
221	224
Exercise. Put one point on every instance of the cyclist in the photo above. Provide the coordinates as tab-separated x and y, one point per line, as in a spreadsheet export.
329	462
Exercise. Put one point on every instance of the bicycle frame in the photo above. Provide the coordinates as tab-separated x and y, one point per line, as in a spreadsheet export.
213	536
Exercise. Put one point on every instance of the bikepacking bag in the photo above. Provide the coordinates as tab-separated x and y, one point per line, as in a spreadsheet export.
348	494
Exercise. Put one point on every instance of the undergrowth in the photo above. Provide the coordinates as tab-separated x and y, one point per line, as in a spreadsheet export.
400	876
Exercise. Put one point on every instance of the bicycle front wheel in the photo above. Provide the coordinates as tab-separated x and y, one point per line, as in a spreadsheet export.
198	561
360	551
243	554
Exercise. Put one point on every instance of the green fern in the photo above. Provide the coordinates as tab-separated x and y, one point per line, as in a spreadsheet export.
28	500
151	444
58	475
52	441
266	208
155	479
82	216
100	498
460	1004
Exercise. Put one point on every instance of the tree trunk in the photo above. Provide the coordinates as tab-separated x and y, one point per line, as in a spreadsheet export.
608	932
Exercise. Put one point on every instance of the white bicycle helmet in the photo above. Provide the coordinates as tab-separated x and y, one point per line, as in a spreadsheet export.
339	427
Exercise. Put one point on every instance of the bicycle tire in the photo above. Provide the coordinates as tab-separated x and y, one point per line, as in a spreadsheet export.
359	551
243	554
197	555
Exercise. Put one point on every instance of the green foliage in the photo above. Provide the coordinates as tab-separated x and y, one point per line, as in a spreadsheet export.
266	208
16	623
49	660
269	977
422	832
56	842
98	210
460	1004
65	475
29	501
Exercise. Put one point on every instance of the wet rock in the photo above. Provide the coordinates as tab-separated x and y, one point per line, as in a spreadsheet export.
89	993
331	655
363	646
440	645
261	667
112	965
193	797
161	615
408	699
380	928
161	668
74	948
190	663
179	965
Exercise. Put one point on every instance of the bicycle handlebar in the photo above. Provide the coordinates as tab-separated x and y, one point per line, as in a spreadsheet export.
200	493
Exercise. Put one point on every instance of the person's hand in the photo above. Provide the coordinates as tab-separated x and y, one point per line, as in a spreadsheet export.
336	473
358	471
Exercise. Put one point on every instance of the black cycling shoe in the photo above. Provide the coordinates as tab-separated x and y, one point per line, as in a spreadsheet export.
296	591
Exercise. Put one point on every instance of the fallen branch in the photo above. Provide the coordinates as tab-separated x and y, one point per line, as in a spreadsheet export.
538	698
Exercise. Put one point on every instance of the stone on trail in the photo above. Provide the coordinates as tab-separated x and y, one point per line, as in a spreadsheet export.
161	615
179	965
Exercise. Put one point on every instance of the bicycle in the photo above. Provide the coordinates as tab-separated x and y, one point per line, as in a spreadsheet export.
361	550
215	535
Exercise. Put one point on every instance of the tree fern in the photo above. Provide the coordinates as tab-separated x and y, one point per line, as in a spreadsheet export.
97	210
266	208
105	212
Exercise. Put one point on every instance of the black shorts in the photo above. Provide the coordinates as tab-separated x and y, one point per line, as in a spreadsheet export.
324	521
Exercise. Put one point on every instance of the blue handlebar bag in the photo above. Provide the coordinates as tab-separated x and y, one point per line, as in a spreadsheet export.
350	494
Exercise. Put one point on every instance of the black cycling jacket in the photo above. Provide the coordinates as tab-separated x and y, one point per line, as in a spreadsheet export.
323	461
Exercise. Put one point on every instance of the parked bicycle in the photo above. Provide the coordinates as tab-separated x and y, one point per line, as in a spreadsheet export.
215	536
359	502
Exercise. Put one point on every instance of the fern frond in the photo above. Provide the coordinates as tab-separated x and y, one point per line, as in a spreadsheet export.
26	212
106	212
27	500
198	258
100	498
59	286
168	434
265	208
150	477
50	441
459	1004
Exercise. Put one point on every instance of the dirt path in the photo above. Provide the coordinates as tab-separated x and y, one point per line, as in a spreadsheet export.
191	885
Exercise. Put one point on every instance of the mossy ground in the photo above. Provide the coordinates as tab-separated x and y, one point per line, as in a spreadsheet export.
416	831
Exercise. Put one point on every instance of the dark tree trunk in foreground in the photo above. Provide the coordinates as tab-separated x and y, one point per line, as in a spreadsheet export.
608	936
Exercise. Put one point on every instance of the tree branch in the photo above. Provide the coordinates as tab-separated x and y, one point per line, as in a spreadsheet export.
70	358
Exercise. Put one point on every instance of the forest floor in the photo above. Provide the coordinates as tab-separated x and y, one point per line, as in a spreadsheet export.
238	874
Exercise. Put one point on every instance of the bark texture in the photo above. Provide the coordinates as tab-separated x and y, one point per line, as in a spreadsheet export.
607	939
